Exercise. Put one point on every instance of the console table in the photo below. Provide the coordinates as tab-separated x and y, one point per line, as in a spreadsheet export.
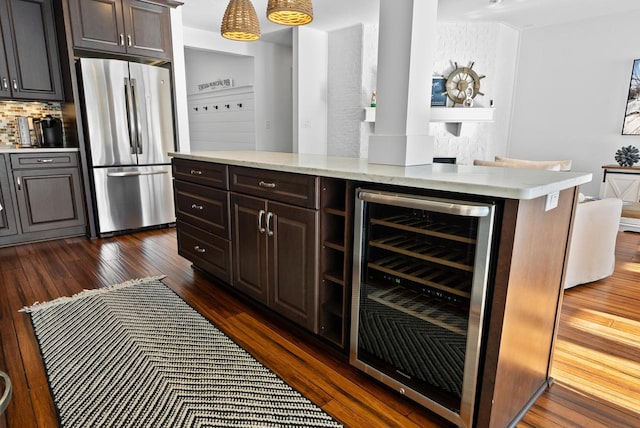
623	182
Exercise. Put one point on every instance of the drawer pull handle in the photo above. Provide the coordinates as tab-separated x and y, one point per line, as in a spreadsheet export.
200	250
196	172
197	207
44	160
5	83
269	230
267	185
15	84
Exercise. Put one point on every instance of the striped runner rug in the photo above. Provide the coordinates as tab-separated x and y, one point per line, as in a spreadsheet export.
136	355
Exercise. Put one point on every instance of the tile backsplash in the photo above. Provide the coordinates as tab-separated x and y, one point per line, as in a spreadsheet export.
11	110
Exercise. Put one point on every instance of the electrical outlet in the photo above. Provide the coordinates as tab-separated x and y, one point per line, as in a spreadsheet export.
552	201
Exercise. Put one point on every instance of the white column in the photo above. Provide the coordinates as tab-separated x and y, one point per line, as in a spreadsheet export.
406	48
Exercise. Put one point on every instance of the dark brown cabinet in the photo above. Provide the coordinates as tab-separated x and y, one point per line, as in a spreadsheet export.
29	65
276	256
132	27
48	197
202	213
7	216
48	191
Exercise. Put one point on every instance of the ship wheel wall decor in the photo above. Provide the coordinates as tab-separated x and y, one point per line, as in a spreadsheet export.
463	84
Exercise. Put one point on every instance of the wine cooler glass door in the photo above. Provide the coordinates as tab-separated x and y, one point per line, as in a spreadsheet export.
420	281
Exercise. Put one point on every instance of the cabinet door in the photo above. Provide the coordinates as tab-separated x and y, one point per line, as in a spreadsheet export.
31	50
49	199
7	216
249	246
147	28
625	186
98	24
294	261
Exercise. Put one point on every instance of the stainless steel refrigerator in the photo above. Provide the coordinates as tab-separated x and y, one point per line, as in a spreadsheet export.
129	124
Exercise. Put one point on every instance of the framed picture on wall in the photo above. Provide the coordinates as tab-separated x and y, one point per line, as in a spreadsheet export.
438	92
631	124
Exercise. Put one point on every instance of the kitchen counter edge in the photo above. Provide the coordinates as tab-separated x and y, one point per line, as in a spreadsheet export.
509	183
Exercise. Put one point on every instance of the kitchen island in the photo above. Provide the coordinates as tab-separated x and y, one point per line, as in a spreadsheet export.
279	228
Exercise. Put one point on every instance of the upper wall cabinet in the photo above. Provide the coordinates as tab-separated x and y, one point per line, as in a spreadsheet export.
29	64
133	27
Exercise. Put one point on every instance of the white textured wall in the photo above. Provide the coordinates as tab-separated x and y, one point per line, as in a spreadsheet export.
571	92
345	93
493	49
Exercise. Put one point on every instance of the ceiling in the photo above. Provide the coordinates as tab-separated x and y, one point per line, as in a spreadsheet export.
334	14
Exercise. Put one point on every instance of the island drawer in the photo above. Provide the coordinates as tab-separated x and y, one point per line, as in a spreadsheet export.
208	174
291	188
40	160
204	207
209	252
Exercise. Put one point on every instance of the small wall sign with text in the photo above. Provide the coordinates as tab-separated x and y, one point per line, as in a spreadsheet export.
216	84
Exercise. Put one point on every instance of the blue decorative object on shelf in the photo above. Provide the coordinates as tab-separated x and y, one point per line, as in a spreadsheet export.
438	92
627	156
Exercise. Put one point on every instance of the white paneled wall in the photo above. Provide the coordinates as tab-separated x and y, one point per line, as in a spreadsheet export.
223	120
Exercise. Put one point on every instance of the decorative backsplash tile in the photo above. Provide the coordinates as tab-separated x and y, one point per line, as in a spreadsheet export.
11	110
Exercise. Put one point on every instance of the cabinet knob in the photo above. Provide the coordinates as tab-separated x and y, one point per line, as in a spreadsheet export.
267	185
200	250
196	172
129	42
15	84
197	207
121	39
5	83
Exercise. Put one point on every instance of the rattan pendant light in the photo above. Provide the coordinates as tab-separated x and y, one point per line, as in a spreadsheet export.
240	21
290	12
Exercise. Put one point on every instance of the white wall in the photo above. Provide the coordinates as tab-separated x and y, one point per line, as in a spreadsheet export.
571	91
272	87
203	66
345	93
493	50
310	69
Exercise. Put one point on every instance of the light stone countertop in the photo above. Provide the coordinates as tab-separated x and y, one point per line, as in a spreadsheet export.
14	148
509	183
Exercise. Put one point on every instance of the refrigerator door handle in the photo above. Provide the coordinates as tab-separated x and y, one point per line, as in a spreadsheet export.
134	173
130	115
136	114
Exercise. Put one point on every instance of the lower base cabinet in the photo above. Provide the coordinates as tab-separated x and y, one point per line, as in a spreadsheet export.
49	198
276	256
41	197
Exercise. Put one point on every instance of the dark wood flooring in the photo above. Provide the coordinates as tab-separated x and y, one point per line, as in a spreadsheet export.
596	363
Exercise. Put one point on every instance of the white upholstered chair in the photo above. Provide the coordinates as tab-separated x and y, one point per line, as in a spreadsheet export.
595	228
593	241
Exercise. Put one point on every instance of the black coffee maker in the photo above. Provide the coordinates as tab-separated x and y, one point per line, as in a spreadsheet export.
48	131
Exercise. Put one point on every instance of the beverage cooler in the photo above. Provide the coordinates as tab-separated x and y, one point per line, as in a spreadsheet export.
420	278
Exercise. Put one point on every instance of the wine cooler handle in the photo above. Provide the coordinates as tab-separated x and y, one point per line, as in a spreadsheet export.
417	202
